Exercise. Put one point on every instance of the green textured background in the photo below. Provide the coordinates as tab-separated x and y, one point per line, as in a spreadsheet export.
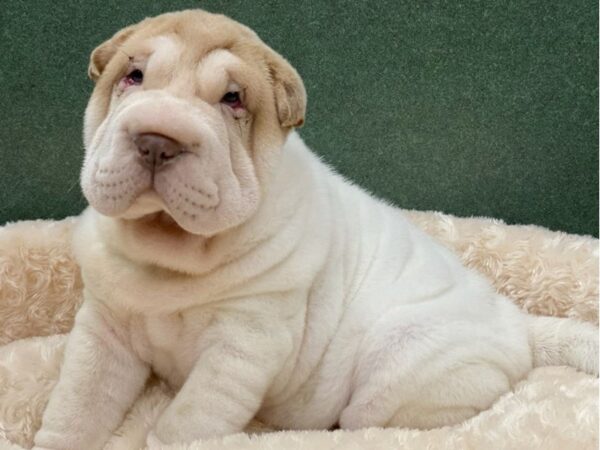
472	108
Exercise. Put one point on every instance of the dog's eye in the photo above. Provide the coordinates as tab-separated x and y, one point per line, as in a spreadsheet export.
136	76
232	99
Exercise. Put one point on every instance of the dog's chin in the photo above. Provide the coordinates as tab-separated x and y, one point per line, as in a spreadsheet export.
148	203
161	221
148	210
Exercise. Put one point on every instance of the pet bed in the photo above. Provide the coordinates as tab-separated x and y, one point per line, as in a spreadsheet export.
545	272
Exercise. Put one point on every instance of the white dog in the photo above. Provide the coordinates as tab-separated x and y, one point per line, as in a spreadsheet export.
221	253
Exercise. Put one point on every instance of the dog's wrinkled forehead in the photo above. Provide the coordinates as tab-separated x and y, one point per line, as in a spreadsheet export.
164	52
196	32
171	49
170	60
193	44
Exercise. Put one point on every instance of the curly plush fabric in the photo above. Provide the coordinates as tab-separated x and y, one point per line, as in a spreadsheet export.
545	272
40	283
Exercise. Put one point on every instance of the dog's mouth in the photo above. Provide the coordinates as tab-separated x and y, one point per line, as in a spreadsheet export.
161	221
154	209
149	213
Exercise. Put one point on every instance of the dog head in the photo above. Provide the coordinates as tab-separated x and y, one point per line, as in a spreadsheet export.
187	119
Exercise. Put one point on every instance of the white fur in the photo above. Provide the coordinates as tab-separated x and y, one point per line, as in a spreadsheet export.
326	306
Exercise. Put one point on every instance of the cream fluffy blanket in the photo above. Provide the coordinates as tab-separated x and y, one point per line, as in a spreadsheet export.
545	272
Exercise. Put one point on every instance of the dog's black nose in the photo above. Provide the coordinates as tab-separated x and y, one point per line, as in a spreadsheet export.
156	149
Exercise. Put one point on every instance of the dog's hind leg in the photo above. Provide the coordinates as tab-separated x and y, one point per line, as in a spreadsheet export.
423	368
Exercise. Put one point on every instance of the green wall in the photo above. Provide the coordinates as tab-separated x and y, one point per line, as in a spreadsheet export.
471	108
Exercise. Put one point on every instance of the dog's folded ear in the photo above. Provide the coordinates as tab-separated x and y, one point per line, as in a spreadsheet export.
102	54
290	94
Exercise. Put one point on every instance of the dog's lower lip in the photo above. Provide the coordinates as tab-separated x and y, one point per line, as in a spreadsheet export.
161	220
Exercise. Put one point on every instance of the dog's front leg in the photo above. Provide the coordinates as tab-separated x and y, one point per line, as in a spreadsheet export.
99	380
227	384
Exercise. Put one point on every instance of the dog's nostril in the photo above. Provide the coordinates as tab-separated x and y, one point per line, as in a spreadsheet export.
155	149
